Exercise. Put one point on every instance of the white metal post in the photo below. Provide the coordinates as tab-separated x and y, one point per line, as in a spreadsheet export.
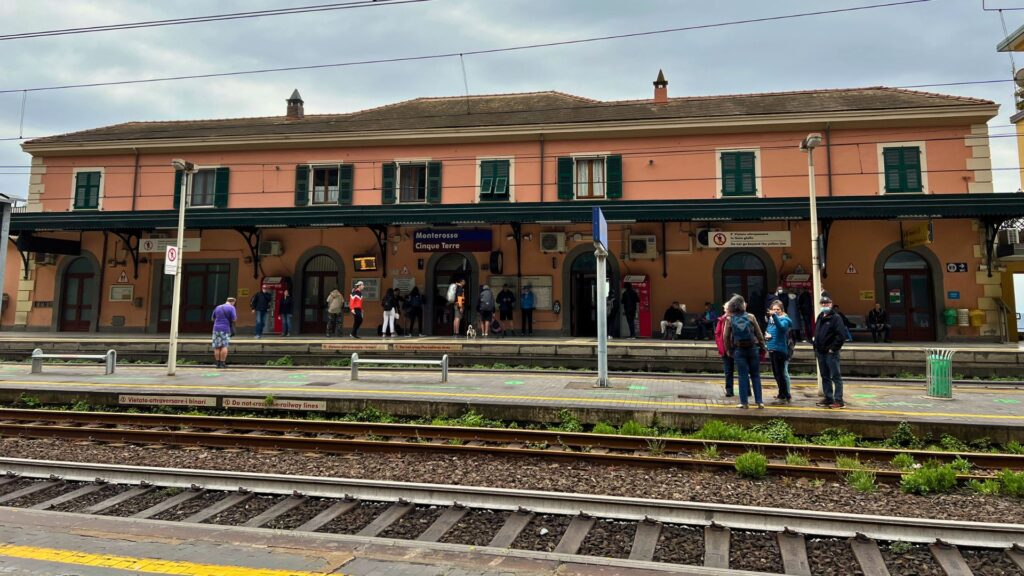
602	317
172	346
815	256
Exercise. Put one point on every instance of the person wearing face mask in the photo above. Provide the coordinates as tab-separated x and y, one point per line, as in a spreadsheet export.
829	337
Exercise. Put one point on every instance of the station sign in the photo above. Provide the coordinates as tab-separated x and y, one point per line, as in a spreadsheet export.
161	244
452	240
756	239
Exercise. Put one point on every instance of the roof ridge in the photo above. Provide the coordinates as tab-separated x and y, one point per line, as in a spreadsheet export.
809	91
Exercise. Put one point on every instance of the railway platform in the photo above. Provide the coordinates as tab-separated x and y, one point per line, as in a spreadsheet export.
874	407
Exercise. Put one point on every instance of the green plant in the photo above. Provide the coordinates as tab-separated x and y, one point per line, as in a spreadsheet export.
932	478
961	465
900	547
569	422
456	441
817	483
848	463
718	430
952	444
777	431
1011	483
604	428
26	401
81	406
656	446
1014	447
835	437
710	452
902	437
268	400
903	461
282	361
861	480
752	465
797	459
633	428
339	362
371	414
986	487
186	362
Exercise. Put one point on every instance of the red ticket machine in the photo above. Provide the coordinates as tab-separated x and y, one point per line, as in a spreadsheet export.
276	285
642	285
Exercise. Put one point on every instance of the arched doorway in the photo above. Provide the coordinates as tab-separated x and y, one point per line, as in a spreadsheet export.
579	291
744	273
446	269
78	296
320	276
908	296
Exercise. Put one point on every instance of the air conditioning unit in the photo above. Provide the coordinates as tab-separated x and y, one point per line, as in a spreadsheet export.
704	236
552	241
270	248
45	259
1009	236
643	246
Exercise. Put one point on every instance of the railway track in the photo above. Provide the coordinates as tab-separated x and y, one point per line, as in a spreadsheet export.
347	437
609	531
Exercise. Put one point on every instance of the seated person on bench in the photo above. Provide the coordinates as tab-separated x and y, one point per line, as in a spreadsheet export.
674	317
878	323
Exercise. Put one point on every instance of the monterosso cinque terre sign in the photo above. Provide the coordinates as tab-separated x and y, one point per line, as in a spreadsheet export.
452	240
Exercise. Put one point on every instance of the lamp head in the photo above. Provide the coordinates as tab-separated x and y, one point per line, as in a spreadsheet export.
811	142
180	164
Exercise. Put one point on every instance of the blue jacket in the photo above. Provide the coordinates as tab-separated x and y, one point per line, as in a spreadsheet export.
779	330
526	301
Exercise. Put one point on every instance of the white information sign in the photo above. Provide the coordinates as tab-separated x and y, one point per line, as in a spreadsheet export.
276	404
541	286
161	244
139	399
750	239
405	283
171	260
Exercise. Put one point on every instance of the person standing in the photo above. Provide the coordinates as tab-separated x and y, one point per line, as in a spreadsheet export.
779	325
878	323
355	303
260	304
630	300
674	317
829	337
459	307
485	305
506	303
744	340
527	303
414	311
708	322
389	304
224	318
335	312
805	304
287	308
728	366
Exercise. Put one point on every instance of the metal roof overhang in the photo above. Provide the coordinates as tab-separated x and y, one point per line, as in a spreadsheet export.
888	207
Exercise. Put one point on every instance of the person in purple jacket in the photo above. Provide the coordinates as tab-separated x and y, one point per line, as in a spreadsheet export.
224	317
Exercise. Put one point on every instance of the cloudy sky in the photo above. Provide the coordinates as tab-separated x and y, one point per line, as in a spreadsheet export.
930	42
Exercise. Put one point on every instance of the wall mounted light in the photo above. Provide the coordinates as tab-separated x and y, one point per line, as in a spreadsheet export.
554	263
528	237
509	237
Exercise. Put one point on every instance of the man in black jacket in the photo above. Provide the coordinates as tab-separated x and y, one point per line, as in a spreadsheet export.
674	318
261	304
878	323
630	301
829	337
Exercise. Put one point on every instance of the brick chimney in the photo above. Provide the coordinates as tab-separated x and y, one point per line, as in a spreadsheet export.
661	89
295	111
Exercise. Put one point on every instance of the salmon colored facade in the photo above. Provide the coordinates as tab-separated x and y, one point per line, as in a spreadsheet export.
682	159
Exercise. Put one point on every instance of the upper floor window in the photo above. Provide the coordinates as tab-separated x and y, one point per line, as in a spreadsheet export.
589	178
739	173
412	183
325	185
209	188
204	184
494	180
87	190
902	165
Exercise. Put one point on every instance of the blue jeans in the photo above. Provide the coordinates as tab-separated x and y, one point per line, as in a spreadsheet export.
831	377
748	364
729	366
286	324
261	320
780	369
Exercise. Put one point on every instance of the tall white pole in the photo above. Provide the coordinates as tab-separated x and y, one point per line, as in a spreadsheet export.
172	346
602	318
815	256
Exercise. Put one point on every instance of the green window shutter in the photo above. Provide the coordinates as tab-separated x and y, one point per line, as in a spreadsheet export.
345	183
434	182
565	170
613	170
494	176
892	158
487	176
387	183
94	191
730	176
911	169
302	185
747	180
220	190
739	176
80	189
178	175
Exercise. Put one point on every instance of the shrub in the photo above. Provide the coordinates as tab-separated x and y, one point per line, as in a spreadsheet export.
282	361
604	428
371	414
81	406
633	428
902	437
903	461
710	452
718	430
952	444
848	463
569	422
961	465
986	487
752	465
835	437
861	480
1014	447
26	401
932	478
1012	483
777	431
900	547
796	459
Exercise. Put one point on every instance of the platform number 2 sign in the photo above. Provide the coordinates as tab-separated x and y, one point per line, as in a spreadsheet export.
953	267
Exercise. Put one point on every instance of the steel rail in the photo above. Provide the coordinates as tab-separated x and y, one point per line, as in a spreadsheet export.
421	432
811	522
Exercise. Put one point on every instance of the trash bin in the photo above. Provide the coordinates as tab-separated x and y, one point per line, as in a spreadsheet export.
940	372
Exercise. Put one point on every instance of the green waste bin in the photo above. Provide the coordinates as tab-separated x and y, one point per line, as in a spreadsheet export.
940	372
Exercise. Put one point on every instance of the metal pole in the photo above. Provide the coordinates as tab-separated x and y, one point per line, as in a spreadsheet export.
815	258
172	346
602	318
5	229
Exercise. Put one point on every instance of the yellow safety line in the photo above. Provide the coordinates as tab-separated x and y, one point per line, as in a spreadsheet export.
143	565
630	401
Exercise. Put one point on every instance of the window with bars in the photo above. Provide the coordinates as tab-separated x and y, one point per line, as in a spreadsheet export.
204	185
494	177
325	185
738	174
902	169
87	190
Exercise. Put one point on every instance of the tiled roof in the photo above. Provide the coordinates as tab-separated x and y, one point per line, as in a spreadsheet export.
524	109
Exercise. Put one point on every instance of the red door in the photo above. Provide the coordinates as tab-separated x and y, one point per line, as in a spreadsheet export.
78	297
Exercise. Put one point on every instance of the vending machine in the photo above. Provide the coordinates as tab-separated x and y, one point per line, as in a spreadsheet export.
642	286
276	285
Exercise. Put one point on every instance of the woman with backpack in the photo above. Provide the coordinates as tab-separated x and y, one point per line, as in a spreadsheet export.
779	351
744	342
388	304
728	366
414	310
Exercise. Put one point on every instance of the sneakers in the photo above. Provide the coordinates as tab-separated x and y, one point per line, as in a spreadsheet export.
742	406
825	403
760	406
837	405
729	394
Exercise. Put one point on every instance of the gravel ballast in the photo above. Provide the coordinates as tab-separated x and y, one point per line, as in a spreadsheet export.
832	557
916	561
476	528
544	475
680	545
757	552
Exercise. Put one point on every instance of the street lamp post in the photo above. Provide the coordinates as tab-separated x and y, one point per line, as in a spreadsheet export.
811	142
188	169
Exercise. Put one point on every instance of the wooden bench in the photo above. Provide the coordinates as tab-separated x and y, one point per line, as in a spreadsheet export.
442	363
110	359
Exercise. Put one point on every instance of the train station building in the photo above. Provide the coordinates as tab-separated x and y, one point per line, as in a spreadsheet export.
705	197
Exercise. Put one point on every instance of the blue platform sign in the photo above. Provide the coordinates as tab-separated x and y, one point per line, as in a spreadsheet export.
953	294
600	232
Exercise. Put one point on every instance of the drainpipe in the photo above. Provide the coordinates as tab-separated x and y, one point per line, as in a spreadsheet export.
135	177
541	167
828	154
103	267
